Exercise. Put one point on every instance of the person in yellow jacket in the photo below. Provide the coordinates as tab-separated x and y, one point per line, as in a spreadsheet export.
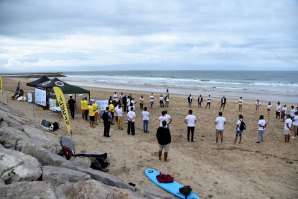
85	106
91	113
112	109
82	107
96	111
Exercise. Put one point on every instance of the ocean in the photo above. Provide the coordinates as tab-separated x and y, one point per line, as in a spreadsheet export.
251	85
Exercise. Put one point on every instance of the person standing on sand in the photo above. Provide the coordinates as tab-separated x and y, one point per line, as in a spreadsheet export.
258	104
86	108
190	120
151	100
131	118
146	118
277	110
141	102
200	101
162	118
189	99
161	104
223	102
295	125
112	109
91	113
220	122
240	103
168	119
269	108
95	106
119	113
287	128
167	99
106	117
283	112
238	130
208	102
163	136
262	125
71	106
83	108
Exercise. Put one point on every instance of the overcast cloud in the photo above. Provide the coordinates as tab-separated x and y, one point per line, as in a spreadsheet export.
73	35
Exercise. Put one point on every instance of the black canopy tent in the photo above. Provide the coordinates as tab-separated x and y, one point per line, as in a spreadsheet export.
42	79
66	88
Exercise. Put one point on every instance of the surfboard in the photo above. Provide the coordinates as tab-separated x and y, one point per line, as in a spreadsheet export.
172	187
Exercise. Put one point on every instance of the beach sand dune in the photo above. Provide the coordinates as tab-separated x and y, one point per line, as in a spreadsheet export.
247	170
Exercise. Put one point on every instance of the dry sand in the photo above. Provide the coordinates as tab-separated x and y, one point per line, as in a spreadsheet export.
247	170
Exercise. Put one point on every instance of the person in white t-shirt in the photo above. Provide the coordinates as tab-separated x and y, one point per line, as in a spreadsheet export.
115	98
262	125
161	118
151	100
190	120
269	108
258	104
161	104
292	112
119	113
146	118
277	110
167	100
189	100
131	117
168	119
295	125
238	130
208	102
283	112
220	122
287	128
240	103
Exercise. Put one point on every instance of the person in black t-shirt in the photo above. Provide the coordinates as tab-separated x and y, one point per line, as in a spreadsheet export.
72	106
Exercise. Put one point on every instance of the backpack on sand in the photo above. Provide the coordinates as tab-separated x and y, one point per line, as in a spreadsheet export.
185	190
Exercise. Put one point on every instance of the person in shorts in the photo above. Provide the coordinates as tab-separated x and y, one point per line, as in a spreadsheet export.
220	122
208	102
163	136
287	128
151	100
277	110
240	103
269	108
238	131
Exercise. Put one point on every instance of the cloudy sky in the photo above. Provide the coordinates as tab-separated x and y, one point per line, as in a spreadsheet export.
74	35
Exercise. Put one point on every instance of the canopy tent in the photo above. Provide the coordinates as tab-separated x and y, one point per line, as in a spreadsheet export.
42	79
66	88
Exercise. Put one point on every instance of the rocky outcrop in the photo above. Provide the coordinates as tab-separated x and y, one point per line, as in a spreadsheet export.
31	168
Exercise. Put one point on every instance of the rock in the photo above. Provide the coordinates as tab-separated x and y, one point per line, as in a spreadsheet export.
16	166
95	189
2	182
3	124
10	136
44	156
154	194
104	177
24	190
84	162
59	175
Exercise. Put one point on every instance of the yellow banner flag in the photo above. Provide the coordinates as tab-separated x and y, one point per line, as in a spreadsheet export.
63	107
1	85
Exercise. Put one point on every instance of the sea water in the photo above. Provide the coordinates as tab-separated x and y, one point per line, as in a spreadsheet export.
251	85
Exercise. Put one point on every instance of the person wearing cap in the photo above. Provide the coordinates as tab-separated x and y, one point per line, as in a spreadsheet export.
287	128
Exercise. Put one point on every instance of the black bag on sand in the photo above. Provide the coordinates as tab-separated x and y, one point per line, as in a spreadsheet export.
100	164
185	190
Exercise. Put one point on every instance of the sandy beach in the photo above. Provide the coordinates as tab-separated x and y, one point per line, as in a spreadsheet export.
247	170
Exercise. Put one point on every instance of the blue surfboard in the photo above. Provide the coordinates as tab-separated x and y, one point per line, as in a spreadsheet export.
172	187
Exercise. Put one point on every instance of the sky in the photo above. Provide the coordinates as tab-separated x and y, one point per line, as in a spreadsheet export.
75	35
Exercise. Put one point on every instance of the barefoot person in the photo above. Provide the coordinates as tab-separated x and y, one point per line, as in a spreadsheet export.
223	102
208	102
200	101
71	105
277	110
163	136
151	100
189	100
295	125
190	120
262	125
258	104
220	123
287	128
239	129
146	117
